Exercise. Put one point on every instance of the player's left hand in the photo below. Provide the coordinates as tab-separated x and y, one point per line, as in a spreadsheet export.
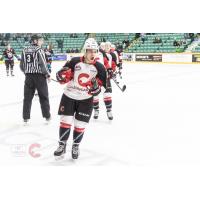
94	88
110	72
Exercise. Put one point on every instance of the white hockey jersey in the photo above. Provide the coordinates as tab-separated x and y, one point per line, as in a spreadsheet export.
77	88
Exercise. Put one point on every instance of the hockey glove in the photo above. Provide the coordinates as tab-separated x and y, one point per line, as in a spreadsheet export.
64	75
110	72
94	88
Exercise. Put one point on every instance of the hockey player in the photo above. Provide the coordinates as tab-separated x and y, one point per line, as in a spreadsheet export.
113	50
84	77
102	46
109	60
49	56
102	57
118	53
8	56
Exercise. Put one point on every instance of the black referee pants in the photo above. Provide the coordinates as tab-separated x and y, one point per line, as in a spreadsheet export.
33	82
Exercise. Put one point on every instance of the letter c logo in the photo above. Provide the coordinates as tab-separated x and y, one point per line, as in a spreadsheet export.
31	151
83	79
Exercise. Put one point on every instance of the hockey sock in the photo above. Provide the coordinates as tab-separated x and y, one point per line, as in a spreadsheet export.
78	135
108	103
64	132
96	104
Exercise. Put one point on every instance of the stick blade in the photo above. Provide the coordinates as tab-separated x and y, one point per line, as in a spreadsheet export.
124	88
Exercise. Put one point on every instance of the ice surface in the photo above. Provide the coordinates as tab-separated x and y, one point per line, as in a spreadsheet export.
156	121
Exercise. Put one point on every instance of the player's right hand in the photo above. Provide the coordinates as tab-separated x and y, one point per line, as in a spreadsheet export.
64	75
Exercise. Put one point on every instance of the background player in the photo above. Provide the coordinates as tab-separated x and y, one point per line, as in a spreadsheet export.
109	60
8	56
118	55
49	56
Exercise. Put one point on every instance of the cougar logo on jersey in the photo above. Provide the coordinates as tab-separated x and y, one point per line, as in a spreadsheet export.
78	87
83	79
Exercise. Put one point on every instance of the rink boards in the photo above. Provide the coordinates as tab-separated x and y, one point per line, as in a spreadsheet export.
163	58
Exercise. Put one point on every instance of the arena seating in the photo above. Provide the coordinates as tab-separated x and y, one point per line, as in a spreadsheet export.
165	46
197	49
114	37
70	42
137	44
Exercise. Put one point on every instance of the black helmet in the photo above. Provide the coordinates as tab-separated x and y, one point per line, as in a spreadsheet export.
36	37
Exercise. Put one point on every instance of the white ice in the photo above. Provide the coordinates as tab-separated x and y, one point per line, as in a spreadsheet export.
156	120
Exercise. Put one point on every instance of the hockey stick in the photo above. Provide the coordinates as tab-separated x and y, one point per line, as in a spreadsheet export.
54	80
116	82
118	73
123	88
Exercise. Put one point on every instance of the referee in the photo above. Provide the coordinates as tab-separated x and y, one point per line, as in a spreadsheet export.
34	66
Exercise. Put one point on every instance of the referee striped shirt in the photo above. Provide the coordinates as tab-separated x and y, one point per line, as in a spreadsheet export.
33	61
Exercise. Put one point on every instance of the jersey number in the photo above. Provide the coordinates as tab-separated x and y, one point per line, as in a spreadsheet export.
29	58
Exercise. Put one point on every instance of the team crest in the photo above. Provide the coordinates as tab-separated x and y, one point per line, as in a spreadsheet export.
62	108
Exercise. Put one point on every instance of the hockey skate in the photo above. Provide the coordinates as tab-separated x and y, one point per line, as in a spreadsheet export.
26	122
96	114
75	151
109	114
48	120
59	154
